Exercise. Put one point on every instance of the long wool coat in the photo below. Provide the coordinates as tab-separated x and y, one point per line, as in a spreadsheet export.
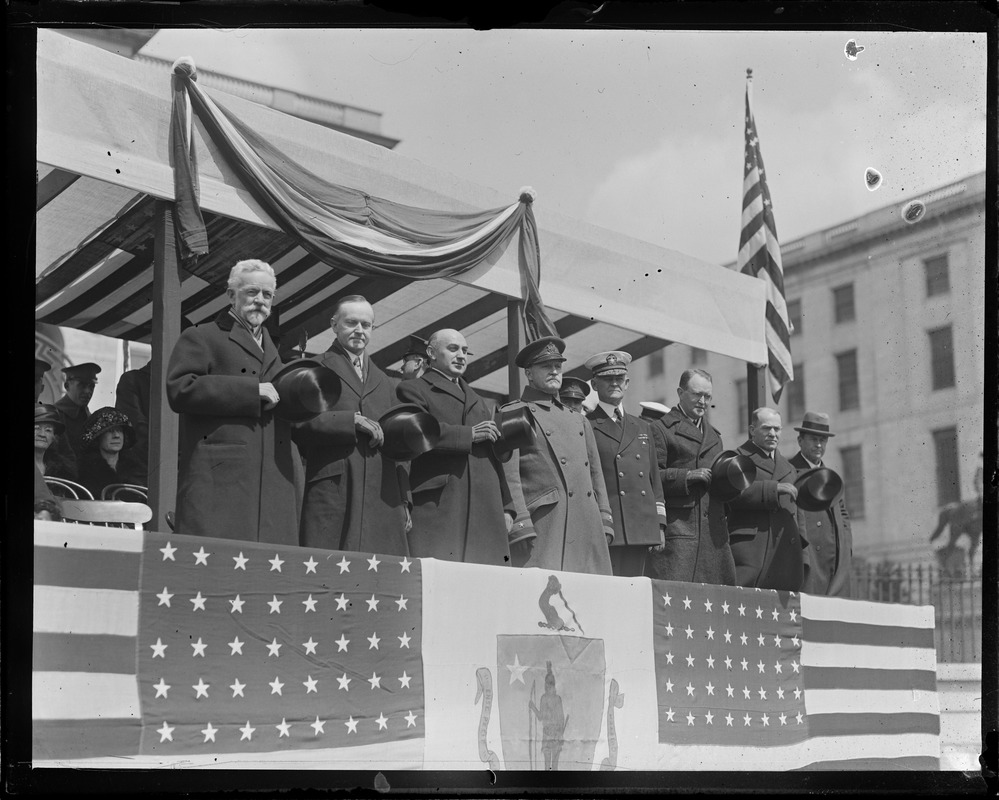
763	529
829	554
237	463
354	498
558	490
459	491
697	544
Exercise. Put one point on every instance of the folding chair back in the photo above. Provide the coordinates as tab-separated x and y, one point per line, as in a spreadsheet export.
61	488
111	513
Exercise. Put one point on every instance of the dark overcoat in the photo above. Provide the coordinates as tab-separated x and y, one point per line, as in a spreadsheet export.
763	529
558	490
237	470
354	498
829	555
132	398
697	545
69	444
459	491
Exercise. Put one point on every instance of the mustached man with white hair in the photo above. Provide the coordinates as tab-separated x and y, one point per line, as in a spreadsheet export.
238	467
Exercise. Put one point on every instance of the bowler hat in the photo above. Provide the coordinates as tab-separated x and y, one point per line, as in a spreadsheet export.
547	348
653	411
417	347
817	488
574	388
82	372
50	414
306	388
613	362
731	473
516	431
409	432
816	424
103	420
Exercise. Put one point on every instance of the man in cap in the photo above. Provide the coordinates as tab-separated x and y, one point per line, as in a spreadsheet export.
237	477
696	547
461	504
762	520
629	465
829	555
414	360
80	382
355	498
41	367
573	392
563	520
651	411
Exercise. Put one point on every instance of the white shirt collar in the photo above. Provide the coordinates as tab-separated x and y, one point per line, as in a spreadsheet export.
810	462
609	409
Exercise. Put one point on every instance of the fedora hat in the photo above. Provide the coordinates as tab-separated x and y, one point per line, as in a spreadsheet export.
50	414
516	431
817	488
731	472
103	420
409	432
306	388
816	424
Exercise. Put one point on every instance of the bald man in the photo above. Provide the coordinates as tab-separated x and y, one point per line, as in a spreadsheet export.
461	505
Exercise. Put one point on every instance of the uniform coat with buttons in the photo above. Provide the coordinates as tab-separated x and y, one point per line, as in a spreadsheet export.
459	491
631	473
354	498
558	491
763	529
829	555
697	547
237	463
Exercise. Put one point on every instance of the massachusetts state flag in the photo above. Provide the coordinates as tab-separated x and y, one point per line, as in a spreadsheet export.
158	650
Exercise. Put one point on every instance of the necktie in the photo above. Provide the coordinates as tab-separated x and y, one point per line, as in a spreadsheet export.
358	368
617	417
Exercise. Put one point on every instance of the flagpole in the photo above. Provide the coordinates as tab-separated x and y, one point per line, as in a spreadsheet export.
756	376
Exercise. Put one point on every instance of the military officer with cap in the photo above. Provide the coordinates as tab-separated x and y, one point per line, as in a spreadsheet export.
573	392
81	379
415	359
563	520
652	411
829	553
630	468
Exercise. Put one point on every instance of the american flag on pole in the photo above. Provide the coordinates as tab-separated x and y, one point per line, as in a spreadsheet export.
154	650
759	252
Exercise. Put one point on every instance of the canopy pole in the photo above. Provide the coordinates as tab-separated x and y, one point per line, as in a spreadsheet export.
164	424
514	344
756	388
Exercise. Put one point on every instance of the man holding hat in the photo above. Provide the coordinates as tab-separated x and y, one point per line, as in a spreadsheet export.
563	520
573	392
830	542
415	359
629	465
461	504
696	548
80	381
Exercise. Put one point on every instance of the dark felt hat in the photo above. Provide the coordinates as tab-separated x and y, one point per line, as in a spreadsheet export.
816	424
409	432
416	347
307	388
547	348
516	431
817	488
103	420
574	389
82	372
731	473
50	414
41	367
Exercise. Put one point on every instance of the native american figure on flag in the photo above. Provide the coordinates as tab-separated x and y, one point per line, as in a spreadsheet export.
553	720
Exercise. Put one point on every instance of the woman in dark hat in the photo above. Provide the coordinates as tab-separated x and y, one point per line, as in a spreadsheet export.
48	461
107	433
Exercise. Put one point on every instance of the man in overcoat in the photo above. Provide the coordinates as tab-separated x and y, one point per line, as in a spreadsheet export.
563	520
629	464
237	470
762	524
74	410
696	547
461	505
132	399
355	499
830	540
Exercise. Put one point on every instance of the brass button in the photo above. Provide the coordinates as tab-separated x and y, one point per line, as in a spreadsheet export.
638	455
618	455
570	493
620	474
548	433
641	474
643	492
563	460
622	493
818	523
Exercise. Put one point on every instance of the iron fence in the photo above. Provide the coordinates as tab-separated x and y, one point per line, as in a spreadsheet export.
956	596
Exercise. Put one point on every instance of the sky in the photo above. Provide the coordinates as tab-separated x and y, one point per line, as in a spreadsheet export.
641	131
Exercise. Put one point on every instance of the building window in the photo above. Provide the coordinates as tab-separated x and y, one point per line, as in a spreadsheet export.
849	387
657	364
937	275
796	394
742	405
698	357
794	317
942	357
853	480
843	308
948	475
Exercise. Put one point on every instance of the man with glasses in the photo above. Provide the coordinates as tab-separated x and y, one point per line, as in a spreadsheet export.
696	547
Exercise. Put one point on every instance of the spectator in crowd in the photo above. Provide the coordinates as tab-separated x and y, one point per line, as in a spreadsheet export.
80	382
355	499
563	519
763	530
132	399
414	360
41	367
696	547
107	434
629	464
829	556
461	505
573	392
48	460
237	471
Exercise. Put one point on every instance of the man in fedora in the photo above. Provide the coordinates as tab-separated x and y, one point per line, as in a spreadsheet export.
762	519
696	547
830	542
79	384
629	465
563	520
237	477
414	360
461	504
355	497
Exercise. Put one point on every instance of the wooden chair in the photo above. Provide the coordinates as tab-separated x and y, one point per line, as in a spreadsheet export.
63	488
110	513
125	491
